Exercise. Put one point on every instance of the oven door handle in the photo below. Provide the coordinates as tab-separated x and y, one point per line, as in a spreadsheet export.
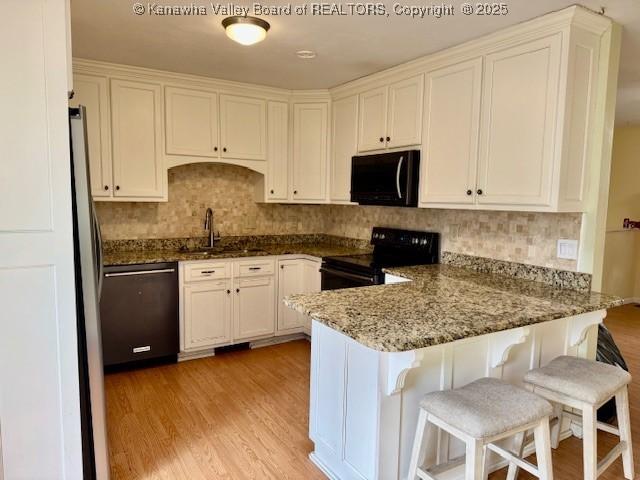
351	276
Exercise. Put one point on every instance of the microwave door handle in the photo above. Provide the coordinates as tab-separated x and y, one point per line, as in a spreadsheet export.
398	176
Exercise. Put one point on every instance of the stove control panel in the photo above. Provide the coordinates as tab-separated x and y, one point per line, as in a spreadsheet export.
409	239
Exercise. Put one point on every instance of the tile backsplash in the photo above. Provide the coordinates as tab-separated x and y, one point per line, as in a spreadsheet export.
515	236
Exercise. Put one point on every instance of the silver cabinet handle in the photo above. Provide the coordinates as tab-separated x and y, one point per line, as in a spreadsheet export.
398	176
139	272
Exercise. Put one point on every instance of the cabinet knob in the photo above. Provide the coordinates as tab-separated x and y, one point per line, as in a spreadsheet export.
117	187
237	290
295	192
479	192
224	149
106	187
469	192
215	149
388	139
271	191
228	292
282	267
381	139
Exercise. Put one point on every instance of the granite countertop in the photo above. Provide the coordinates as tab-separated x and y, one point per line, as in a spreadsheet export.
141	256
442	304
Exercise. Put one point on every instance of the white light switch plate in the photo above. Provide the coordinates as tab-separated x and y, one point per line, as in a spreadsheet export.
568	249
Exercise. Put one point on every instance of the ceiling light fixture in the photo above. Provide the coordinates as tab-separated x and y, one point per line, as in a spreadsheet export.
306	54
245	30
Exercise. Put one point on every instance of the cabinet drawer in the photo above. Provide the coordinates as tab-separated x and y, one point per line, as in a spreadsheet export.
254	268
206	271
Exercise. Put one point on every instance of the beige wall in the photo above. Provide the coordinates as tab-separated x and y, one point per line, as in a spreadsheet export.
522	237
621	273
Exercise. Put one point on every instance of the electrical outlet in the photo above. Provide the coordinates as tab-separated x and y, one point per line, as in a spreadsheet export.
568	249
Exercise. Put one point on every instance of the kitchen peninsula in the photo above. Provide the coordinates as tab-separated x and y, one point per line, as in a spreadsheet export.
377	350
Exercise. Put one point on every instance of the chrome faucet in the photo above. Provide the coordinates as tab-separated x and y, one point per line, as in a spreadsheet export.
209	225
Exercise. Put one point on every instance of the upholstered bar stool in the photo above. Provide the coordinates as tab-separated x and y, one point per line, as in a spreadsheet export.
479	414
586	385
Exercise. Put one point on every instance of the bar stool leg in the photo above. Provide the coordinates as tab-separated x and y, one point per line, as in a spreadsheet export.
624	425
512	473
590	442
542	439
475	460
557	428
418	447
487	456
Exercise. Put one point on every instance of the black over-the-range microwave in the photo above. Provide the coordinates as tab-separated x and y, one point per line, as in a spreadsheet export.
386	179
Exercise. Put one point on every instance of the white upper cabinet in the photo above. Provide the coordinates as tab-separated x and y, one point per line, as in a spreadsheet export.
310	127
519	122
404	120
372	128
451	129
191	122
93	93
344	137
528	148
243	127
278	148
136	118
391	116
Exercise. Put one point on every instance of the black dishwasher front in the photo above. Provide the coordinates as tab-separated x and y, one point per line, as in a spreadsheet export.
139	313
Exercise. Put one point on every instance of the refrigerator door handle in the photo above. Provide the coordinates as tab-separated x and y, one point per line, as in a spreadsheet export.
98	248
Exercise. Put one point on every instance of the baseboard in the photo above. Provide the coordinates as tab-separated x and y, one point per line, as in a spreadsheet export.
184	356
277	340
631	300
321	465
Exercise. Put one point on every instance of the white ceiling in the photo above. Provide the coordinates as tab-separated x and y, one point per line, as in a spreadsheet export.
347	47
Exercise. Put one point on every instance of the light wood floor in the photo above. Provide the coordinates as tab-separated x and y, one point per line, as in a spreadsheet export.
243	415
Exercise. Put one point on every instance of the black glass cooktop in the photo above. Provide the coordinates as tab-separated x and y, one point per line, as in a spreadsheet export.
370	261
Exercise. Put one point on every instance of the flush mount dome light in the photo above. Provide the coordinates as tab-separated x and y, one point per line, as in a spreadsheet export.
245	30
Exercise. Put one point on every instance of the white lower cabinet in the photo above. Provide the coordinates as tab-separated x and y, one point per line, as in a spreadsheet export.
290	282
253	307
296	275
207	314
223	302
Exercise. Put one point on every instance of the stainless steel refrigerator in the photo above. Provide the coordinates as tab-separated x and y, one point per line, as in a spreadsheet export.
88	268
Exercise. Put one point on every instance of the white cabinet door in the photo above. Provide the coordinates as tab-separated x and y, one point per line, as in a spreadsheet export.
290	282
207	314
344	137
243	127
372	129
278	148
310	152
191	122
93	92
404	120
520	102
253	307
450	148
138	166
312	283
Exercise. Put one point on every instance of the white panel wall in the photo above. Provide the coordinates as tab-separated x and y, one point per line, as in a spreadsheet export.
39	399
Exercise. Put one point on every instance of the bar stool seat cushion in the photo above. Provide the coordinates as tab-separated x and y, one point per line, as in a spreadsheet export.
486	407
585	380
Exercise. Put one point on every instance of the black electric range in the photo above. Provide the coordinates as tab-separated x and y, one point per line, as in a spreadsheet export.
391	248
